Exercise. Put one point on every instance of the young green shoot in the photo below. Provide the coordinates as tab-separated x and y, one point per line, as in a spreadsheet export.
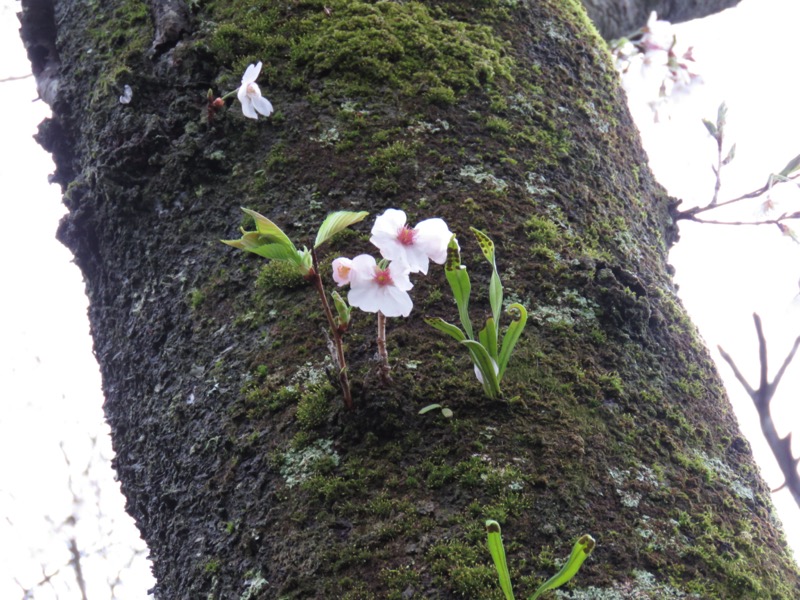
580	552
489	354
269	241
446	412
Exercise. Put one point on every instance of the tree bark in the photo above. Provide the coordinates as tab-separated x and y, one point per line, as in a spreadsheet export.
619	18
245	475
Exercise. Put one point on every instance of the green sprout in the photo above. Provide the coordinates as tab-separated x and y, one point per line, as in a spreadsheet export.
580	552
489	356
269	241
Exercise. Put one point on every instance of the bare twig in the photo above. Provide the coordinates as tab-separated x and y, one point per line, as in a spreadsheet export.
336	333
781	447
76	565
15	77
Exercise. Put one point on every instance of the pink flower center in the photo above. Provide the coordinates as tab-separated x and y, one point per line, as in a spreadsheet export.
383	277
406	235
343	272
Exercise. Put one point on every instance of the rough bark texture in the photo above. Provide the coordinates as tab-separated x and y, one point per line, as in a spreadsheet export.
619	18
244	473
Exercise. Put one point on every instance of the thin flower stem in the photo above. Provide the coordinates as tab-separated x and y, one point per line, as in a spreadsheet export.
384	367
344	381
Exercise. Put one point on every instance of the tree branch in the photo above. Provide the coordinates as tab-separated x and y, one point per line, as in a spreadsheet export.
781	447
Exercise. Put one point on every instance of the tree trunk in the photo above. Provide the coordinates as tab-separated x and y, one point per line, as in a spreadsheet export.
619	18
245	474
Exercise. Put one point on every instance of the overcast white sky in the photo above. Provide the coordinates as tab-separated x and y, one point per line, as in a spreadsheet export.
49	384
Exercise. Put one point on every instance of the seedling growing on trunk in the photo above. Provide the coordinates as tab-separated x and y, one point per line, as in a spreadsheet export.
489	357
580	552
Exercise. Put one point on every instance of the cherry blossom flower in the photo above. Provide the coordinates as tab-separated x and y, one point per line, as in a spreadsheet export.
342	268
250	94
374	289
413	247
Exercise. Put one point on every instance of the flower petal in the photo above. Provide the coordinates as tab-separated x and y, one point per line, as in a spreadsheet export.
251	73
399	273
364	297
395	302
262	105
433	235
247	108
342	270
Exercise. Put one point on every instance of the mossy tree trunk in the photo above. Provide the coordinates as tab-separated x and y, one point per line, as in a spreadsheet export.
243	471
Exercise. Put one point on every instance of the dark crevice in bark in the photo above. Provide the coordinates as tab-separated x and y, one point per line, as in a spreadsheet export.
39	36
172	20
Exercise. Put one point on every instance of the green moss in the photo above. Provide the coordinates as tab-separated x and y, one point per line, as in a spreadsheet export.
196	298
498	124
212	566
542	231
390	159
401	45
279	274
464	569
314	406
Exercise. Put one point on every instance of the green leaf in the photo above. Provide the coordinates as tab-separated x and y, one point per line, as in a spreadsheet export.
453	260
791	166
252	241
712	129
495	295
495	543
446	327
271	232
580	551
488	338
495	287
512	335
722	113
731	155
482	360
461	287
335	222
458	278
486	244
429	408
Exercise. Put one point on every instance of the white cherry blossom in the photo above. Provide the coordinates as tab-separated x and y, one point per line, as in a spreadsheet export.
342	268
250	95
414	247
374	289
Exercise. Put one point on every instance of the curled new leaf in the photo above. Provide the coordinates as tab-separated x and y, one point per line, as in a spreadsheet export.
495	543
336	222
580	552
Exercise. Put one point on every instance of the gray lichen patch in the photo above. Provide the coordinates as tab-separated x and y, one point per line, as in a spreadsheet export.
726	474
480	176
300	465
